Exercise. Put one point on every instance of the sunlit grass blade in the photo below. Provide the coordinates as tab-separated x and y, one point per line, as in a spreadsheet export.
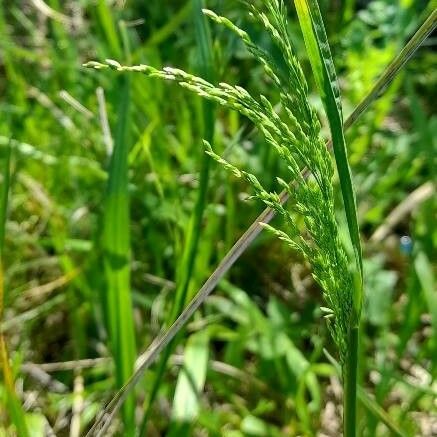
426	279
322	64
116	246
15	409
323	67
190	383
151	354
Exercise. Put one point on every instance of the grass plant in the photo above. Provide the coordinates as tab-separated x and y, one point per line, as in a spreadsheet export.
12	401
191	246
116	206
295	136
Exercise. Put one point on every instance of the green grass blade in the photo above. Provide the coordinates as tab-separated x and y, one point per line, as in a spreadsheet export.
116	246
109	28
322	64
375	409
5	158
191	378
151	354
15	409
196	367
206	67
169	28
370	404
116	225
426	279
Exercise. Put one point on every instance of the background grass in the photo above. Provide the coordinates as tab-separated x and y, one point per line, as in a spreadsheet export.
261	335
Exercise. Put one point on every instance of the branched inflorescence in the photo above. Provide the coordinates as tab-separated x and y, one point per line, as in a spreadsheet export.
295	136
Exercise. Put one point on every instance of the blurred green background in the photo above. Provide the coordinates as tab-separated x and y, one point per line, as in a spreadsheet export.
255	352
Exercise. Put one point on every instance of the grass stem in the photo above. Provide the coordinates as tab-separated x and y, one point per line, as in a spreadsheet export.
350	385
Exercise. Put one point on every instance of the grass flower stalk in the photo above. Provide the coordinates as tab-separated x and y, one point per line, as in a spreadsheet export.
295	136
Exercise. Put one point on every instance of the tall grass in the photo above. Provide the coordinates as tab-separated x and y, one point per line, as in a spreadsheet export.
191	244
13	403
324	71
116	228
116	248
296	138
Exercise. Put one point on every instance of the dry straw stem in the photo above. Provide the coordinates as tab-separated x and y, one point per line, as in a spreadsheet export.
146	359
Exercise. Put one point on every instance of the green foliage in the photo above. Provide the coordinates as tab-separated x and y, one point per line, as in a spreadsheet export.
15	409
296	139
116	251
257	350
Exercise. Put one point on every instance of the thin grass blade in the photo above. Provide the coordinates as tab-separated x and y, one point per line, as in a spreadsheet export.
15	408
192	379
116	246
322	64
5	159
316	41
395	66
373	407
109	27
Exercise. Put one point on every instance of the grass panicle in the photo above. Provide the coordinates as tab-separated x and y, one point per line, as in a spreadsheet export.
296	137
293	134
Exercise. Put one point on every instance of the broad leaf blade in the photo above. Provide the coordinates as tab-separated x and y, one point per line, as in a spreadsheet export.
191	378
